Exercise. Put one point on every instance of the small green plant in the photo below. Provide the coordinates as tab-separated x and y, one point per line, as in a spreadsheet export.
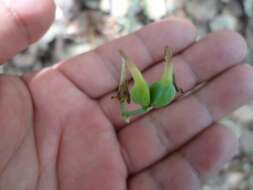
148	97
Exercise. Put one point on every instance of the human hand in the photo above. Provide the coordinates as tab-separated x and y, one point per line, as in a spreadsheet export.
61	130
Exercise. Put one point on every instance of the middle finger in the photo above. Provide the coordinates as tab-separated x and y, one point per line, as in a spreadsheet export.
205	59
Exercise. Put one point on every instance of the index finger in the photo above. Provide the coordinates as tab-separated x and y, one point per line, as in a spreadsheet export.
97	72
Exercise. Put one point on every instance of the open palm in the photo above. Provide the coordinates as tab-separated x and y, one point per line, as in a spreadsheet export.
61	130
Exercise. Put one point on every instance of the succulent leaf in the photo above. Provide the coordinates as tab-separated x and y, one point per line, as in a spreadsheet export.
139	93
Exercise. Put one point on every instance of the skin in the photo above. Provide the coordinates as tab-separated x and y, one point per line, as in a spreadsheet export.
61	130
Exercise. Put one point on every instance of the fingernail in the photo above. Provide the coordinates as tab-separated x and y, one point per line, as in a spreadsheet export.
231	125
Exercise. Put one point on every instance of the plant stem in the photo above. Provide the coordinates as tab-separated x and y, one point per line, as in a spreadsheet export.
135	112
127	114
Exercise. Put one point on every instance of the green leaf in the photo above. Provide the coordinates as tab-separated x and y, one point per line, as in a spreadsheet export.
140	91
163	91
161	94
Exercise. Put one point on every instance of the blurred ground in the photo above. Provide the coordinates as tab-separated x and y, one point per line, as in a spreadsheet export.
81	25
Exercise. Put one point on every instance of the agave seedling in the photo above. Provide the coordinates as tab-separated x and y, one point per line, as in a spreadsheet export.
148	97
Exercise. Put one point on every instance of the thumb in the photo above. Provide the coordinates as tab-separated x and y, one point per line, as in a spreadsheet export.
23	22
